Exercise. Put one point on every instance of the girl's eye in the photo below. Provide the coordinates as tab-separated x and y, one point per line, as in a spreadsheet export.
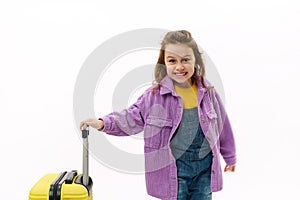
186	59
172	60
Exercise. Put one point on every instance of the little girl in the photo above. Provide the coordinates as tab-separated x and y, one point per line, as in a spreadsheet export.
185	125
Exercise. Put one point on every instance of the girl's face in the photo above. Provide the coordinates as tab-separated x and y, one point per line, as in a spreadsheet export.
180	62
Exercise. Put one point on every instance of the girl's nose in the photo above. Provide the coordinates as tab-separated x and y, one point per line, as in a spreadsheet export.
179	66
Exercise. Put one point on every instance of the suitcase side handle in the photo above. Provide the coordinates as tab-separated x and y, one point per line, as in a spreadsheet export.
70	177
53	191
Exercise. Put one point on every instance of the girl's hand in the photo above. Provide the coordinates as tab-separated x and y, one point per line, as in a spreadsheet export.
230	168
94	123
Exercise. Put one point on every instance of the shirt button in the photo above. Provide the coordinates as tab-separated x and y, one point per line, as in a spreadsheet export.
202	120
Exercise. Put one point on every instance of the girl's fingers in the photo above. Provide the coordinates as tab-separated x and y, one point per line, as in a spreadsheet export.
94	123
84	122
229	168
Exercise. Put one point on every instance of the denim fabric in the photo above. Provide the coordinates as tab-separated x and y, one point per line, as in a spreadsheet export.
194	179
193	158
189	140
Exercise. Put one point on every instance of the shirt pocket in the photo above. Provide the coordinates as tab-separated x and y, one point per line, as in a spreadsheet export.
211	114
212	119
157	132
209	109
213	130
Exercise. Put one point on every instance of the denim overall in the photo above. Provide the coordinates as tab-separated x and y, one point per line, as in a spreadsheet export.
193	158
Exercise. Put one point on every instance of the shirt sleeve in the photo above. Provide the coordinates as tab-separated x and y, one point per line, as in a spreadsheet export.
129	121
226	138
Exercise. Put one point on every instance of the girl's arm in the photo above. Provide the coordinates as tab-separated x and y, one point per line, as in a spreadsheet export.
227	142
127	122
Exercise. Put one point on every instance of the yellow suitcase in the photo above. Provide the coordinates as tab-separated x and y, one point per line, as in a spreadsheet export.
66	185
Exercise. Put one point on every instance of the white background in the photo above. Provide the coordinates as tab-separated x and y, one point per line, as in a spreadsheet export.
254	44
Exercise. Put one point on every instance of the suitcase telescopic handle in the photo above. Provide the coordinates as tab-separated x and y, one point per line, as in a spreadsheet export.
85	163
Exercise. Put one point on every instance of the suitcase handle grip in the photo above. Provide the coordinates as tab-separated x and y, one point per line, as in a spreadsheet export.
85	131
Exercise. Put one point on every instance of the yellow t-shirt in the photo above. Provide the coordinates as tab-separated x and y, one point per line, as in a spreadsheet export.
188	95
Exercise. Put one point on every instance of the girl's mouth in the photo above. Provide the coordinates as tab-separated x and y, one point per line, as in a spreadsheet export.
180	73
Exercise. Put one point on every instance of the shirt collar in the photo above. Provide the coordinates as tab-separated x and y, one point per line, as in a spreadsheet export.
167	86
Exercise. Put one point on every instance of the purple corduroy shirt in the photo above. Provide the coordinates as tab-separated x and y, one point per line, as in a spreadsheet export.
158	113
